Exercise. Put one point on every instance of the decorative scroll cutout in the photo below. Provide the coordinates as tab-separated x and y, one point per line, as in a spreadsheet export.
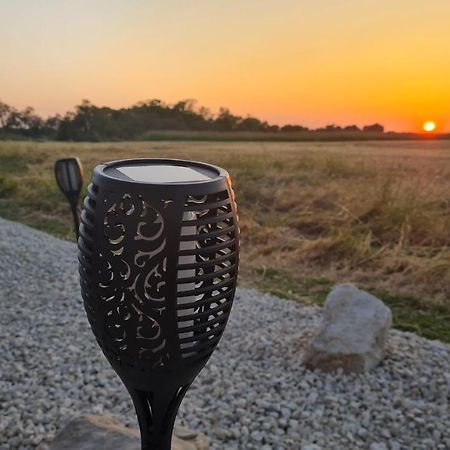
132	269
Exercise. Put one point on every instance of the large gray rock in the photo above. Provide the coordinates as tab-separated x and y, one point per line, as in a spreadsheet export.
353	332
92	432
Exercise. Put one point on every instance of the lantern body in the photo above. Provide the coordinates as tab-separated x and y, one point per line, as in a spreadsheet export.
158	272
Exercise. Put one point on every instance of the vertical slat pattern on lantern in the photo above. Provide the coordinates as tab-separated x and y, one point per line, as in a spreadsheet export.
86	250
158	272
215	269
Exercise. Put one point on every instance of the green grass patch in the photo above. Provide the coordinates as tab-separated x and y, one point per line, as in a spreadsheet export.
55	226
7	185
281	283
409	314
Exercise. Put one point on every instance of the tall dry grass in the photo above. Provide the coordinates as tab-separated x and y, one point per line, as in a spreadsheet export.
312	214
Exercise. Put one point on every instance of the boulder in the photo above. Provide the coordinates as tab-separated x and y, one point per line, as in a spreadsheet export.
93	432
353	333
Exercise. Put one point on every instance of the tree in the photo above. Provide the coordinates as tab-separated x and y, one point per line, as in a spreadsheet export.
52	122
205	113
351	128
292	128
375	128
226	121
187	105
84	115
250	124
5	111
333	127
30	123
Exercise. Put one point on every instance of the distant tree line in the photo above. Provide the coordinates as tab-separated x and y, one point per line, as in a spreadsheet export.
26	123
93	123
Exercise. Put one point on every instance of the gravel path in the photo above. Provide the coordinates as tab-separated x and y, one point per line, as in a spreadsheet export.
253	394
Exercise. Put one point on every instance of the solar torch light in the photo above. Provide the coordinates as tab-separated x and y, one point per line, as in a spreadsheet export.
158	254
69	177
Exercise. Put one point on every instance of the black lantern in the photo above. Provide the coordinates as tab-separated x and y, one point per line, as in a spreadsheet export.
69	176
158	253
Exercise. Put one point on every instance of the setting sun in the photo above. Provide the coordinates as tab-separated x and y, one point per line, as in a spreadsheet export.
429	126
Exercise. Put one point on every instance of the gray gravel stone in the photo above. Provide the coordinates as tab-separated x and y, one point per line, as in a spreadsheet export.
377	446
254	387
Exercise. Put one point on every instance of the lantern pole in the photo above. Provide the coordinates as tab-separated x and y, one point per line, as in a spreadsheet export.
69	177
76	218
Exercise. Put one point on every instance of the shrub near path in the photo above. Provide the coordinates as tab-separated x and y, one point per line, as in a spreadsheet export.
312	214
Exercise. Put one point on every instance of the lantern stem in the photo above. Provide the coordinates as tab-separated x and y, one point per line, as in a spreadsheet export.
76	218
156	412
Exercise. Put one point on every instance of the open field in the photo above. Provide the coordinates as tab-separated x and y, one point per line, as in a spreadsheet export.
312	214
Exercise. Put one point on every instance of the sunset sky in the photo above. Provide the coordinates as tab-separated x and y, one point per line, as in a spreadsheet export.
308	62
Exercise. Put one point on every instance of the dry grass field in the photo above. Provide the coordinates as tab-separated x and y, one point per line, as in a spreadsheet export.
312	214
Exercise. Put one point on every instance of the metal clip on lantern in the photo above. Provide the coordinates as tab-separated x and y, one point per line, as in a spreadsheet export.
158	254
69	176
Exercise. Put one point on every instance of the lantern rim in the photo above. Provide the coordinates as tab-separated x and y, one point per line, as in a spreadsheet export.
104	170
